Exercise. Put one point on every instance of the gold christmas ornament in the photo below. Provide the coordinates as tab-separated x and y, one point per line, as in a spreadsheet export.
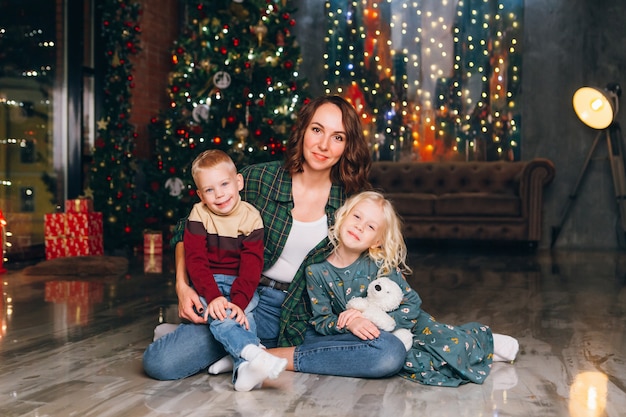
260	30
241	132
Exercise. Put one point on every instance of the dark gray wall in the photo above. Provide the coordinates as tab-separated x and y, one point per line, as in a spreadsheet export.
567	44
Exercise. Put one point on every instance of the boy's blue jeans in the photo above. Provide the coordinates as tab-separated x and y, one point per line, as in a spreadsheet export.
191	348
232	335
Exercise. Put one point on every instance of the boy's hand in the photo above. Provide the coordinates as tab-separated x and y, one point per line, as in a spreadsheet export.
217	308
239	315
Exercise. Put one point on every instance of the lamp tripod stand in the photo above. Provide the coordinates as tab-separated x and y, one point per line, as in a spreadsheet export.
611	130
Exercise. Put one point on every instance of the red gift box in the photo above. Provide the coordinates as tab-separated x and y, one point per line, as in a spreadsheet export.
152	243
56	247
79	205
84	224
73	234
54	225
84	246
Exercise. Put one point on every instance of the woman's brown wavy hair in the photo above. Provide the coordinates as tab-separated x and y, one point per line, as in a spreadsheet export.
353	167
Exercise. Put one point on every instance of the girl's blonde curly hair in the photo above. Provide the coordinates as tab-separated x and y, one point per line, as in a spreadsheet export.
392	252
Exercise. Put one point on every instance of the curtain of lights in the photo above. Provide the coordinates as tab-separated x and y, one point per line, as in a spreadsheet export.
433	80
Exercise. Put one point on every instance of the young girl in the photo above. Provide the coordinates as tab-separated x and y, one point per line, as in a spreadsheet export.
368	244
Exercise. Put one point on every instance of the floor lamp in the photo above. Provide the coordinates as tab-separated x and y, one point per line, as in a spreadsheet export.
597	109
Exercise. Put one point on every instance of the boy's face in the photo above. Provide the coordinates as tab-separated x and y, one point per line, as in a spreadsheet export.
362	228
218	188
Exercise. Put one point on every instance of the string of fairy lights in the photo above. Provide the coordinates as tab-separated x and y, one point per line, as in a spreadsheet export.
430	79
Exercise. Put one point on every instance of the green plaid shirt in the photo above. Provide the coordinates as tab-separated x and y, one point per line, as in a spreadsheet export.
268	188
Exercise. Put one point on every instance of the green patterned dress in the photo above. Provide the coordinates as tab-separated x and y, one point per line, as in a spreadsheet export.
442	354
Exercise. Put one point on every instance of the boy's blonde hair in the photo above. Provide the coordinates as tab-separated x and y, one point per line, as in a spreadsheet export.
392	252
209	159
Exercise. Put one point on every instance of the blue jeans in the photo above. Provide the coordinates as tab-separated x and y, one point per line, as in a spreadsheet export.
347	355
191	348
233	336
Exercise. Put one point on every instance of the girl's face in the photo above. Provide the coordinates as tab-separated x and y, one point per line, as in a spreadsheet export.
324	138
363	227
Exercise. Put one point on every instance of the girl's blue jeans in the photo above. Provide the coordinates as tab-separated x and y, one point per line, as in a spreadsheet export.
191	348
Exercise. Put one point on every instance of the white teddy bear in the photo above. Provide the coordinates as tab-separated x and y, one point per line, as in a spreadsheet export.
383	296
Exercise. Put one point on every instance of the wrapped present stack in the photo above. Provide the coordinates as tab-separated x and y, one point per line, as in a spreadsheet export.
76	232
152	252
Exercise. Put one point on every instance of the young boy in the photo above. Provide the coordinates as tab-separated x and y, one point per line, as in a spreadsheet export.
223	242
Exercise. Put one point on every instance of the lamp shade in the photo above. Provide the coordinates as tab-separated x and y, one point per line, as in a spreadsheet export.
595	107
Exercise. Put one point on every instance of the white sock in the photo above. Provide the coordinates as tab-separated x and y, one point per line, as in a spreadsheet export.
260	365
221	366
505	348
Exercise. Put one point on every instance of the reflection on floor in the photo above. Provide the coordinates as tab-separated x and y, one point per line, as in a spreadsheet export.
72	347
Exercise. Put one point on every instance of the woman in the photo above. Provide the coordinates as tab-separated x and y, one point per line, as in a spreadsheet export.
327	158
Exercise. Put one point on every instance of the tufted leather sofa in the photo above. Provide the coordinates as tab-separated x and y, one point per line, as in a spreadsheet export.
486	201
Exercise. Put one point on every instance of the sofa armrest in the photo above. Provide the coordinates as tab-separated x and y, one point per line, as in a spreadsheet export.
537	173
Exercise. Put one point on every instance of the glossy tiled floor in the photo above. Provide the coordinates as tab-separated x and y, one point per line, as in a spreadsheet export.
74	348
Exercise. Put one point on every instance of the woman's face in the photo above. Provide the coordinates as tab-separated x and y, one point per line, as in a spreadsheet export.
324	138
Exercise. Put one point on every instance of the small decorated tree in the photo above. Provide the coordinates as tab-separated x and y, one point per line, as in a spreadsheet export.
113	167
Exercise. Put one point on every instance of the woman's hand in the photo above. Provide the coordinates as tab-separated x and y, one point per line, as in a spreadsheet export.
188	299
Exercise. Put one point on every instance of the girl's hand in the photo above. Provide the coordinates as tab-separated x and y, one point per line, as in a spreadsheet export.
188	299
345	317
363	329
217	308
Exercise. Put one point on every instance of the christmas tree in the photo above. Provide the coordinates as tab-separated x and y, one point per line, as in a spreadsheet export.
234	86
113	167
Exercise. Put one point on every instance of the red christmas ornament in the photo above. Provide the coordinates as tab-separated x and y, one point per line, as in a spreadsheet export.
223	50
236	42
288	65
192	193
127	229
230	119
172	170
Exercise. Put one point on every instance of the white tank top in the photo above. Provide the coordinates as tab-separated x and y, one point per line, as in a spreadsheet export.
303	237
